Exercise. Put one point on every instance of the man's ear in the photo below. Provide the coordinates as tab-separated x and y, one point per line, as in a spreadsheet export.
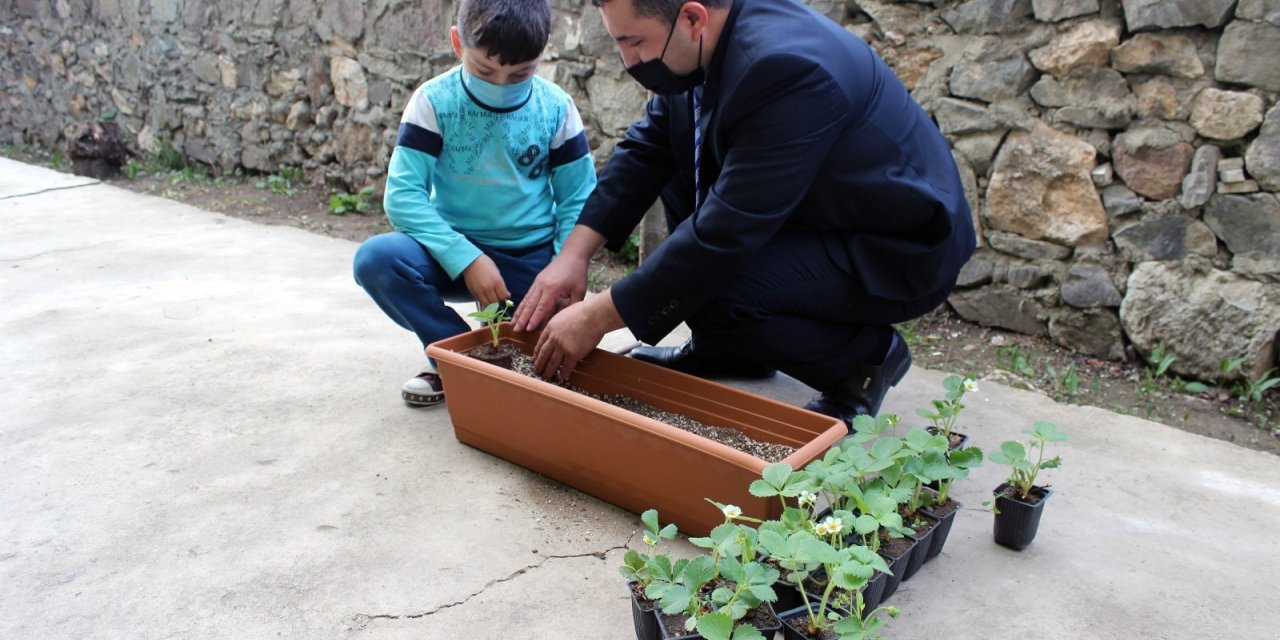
695	14
456	41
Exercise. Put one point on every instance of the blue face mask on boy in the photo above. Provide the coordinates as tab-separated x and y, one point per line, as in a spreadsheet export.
497	96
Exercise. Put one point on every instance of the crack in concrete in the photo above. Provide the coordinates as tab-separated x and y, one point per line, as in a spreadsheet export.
50	189
362	620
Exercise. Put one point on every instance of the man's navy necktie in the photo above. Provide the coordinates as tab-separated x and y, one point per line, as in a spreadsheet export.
697	147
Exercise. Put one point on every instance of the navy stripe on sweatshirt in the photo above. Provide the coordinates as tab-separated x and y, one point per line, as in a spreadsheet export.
571	150
414	137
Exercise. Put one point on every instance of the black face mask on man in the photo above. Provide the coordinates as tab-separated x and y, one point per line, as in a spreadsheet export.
657	77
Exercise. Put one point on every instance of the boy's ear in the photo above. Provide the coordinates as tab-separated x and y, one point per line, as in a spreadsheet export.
456	41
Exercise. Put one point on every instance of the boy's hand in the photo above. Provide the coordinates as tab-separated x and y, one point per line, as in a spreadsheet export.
561	283
484	281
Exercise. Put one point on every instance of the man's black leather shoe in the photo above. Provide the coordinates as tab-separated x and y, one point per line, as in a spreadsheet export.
864	391
702	363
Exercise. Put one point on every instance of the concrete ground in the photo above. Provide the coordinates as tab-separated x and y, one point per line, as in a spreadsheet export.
201	436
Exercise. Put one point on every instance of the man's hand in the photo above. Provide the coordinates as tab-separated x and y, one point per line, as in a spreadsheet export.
484	281
560	284
572	334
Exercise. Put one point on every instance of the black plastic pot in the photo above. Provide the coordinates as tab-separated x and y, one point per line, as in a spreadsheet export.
896	567
794	622
873	593
767	630
788	596
645	621
1016	521
943	529
920	551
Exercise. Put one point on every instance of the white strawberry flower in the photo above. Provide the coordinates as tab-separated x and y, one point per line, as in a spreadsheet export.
970	385
830	526
731	511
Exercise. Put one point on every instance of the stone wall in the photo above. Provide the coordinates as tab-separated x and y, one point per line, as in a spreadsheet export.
1122	156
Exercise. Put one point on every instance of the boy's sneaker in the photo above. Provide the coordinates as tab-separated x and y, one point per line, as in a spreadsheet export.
423	390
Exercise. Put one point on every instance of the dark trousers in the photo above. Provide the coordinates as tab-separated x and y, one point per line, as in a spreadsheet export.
796	308
410	286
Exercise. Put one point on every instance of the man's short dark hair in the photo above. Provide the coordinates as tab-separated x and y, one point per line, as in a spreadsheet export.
664	10
513	31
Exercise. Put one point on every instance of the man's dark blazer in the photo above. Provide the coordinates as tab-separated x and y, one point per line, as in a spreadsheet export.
805	128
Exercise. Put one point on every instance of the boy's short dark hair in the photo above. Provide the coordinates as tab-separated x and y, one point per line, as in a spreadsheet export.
514	31
664	10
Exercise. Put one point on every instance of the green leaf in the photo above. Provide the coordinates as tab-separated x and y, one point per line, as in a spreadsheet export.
763	592
650	519
762	489
863	423
966	458
819	551
777	474
699	571
722	595
1010	452
715	626
674	599
732	570
918	439
885	448
865	524
1048	432
747	632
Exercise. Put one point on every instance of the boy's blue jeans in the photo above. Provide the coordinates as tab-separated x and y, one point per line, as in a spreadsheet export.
408	284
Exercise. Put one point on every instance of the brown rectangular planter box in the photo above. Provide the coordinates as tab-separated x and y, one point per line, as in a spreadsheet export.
617	455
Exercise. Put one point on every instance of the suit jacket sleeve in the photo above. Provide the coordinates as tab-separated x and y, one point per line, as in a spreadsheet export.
640	166
785	116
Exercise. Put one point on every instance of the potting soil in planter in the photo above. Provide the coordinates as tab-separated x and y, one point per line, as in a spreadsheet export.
766	451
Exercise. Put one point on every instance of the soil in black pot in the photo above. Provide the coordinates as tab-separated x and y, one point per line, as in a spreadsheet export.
799	625
943	510
761	617
893	548
1033	497
920	524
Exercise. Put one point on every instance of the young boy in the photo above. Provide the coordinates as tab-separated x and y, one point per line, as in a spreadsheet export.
490	170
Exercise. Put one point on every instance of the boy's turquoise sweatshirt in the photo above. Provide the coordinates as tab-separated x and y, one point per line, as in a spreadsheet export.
464	173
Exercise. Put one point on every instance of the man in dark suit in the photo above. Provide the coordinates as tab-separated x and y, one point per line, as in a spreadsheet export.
811	205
